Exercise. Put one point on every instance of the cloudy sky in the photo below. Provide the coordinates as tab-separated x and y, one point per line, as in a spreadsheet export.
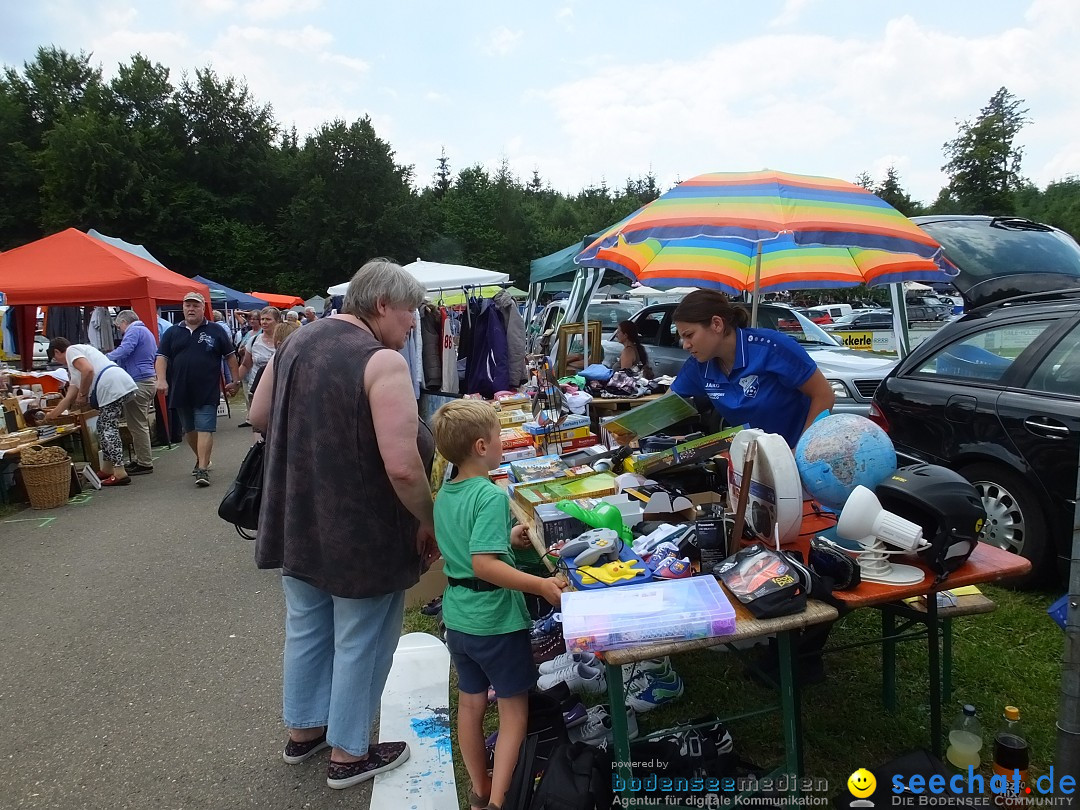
587	92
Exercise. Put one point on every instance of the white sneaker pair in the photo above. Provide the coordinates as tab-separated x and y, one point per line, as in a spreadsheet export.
567	661
581	678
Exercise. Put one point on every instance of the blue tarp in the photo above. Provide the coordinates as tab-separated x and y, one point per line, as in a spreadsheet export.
222	296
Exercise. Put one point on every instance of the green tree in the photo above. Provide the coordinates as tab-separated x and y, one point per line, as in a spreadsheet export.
353	202
893	193
984	160
442	176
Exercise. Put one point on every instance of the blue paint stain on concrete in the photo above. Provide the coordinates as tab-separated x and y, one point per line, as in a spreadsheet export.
434	727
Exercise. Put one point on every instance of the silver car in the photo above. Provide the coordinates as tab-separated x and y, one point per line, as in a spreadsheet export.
853	375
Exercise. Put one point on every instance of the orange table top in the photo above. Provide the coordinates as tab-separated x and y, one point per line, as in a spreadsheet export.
986	564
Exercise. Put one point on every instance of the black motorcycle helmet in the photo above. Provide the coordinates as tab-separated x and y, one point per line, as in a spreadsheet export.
944	504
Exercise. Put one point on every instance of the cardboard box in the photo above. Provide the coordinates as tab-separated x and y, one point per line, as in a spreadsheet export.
554	525
680	508
519	454
432	583
512	438
591	486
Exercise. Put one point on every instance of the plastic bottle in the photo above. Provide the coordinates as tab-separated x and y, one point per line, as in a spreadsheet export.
1011	752
965	739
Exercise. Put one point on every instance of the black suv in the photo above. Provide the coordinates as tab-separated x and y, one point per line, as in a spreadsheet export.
995	395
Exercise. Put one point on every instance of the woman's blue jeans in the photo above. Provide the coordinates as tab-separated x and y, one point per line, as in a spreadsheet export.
338	653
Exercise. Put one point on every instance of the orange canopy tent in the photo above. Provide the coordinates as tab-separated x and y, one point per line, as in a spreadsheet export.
279	301
73	268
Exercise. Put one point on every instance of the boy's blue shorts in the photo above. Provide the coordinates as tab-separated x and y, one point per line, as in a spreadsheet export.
502	661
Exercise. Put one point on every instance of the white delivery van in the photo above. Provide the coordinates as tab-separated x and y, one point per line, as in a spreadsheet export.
832	310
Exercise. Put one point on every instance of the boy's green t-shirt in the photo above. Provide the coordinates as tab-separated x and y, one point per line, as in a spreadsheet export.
473	517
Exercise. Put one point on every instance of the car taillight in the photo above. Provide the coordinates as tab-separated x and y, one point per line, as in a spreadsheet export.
877	417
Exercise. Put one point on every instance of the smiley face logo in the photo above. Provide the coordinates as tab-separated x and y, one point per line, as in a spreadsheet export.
861	783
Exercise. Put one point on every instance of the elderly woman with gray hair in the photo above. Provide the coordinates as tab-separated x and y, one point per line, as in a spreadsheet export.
351	530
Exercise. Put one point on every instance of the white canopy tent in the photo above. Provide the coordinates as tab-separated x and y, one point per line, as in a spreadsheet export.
642	291
437	276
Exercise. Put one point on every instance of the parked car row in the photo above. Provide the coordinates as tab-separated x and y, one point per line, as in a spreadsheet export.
995	394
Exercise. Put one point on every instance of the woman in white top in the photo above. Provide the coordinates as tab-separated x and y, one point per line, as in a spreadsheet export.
261	348
96	381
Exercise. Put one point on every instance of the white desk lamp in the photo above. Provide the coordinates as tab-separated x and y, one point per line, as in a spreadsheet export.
864	520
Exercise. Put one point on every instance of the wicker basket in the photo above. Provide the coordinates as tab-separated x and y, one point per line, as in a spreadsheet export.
47	485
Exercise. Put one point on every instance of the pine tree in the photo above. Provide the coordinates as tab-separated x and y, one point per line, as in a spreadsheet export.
984	161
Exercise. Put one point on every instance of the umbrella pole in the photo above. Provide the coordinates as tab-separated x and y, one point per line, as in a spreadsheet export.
757	285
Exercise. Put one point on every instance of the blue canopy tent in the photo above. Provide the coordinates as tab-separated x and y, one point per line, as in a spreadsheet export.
227	297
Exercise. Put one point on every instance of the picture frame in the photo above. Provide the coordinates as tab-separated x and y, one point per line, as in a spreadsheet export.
569	358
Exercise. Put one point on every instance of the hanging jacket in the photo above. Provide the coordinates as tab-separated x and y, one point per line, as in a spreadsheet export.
515	336
431	339
488	368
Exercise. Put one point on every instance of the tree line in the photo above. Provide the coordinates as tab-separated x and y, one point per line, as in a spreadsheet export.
200	172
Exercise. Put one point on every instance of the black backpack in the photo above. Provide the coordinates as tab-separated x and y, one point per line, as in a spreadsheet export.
546	732
578	777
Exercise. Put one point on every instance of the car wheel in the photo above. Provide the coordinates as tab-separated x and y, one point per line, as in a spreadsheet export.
1014	521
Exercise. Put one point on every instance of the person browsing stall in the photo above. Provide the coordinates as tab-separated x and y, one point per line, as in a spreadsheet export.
136	355
100	383
351	530
483	607
751	376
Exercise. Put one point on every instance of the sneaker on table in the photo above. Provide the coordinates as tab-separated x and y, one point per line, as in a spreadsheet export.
649	692
663	550
546	625
582	679
565	661
674	568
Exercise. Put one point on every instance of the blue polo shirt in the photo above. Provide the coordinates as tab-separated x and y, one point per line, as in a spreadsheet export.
194	369
763	389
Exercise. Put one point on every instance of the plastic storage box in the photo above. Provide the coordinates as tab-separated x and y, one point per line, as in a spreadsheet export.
633	615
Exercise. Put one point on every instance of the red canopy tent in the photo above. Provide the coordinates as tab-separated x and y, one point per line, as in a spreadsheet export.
73	268
279	301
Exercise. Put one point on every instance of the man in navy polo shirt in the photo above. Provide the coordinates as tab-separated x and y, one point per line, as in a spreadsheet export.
188	366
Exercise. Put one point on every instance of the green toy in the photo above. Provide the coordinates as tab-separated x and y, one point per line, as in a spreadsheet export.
602	516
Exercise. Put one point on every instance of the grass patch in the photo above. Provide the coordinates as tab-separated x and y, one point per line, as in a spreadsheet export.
1011	656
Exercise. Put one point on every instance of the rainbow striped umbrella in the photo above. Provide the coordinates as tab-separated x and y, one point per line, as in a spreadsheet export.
767	231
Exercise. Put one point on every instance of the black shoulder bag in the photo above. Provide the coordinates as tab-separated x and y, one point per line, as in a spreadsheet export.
241	503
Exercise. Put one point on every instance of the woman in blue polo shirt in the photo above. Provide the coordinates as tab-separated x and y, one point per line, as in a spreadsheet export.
752	376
